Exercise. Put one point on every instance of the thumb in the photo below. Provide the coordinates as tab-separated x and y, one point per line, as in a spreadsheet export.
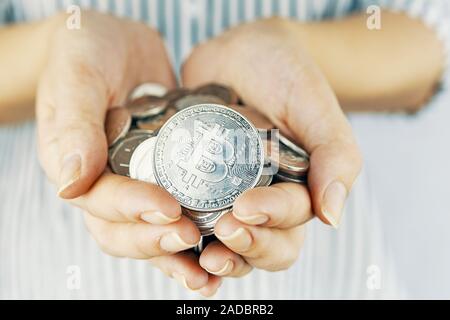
334	168
315	119
71	138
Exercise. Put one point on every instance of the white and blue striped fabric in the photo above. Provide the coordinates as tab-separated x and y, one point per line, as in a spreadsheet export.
42	238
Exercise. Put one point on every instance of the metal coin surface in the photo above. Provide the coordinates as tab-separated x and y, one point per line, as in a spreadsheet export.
120	154
288	178
141	162
155	123
147	106
205	221
292	145
176	94
207	155
292	162
147	89
227	94
117	124
139	132
206	231
194	99
204	218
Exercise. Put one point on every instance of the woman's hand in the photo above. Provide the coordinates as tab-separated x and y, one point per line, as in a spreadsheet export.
88	71
267	66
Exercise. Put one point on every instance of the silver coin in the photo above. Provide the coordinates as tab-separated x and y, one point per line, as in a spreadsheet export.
265	181
141	162
117	124
204	218
291	162
207	155
120	154
206	231
155	123
289	143
140	132
147	89
205	221
194	99
147	106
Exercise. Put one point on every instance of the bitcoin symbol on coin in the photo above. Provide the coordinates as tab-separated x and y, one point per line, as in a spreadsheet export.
218	157
208	160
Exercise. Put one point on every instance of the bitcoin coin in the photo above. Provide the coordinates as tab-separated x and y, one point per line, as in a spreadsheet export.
226	94
120	154
141	162
207	155
147	106
291	162
194	99
117	124
147	89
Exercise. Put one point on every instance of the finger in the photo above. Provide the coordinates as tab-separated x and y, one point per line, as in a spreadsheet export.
282	205
140	240
218	260
72	141
315	120
184	268
120	199
270	249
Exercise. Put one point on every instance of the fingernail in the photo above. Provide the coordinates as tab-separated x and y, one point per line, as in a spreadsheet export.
333	202
155	217
227	268
172	242
253	220
70	173
181	279
240	240
206	293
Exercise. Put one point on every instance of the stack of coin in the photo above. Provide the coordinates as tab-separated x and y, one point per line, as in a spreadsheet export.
290	160
200	145
148	108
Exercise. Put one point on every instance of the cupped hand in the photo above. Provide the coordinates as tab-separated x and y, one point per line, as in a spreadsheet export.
265	63
88	71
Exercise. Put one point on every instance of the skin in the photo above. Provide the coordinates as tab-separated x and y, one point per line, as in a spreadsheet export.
109	56
292	92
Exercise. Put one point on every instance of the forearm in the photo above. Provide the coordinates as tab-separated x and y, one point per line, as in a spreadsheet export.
395	68
23	53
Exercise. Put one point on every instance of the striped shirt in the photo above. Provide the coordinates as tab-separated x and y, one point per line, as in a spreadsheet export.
43	242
